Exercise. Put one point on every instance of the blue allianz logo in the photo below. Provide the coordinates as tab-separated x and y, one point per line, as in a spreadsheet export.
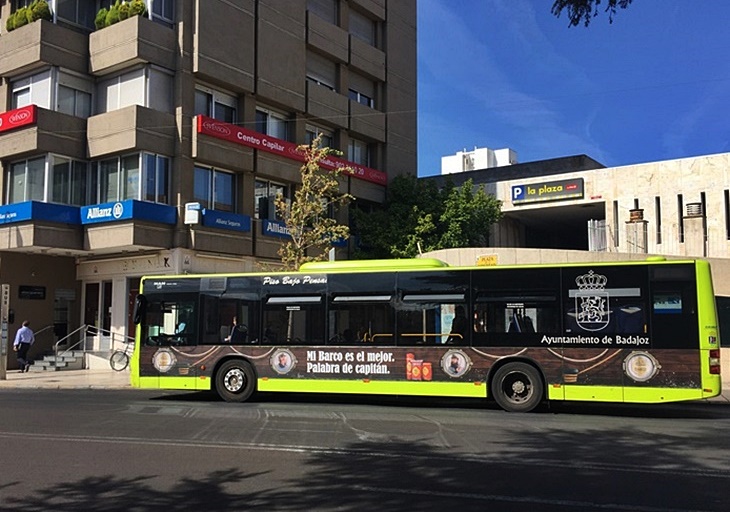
127	210
275	228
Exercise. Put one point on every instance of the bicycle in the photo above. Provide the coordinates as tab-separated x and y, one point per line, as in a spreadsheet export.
119	359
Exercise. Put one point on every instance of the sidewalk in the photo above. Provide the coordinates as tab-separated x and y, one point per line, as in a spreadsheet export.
67	379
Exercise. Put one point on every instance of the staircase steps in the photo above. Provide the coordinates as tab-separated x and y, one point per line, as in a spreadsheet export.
72	360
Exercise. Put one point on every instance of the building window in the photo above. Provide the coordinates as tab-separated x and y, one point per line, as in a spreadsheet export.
162	11
321	71
361	98
70	181
680	217
216	104
77	12
727	214
272	123
54	89
615	224
149	87
73	96
157	178
326	140
265	196
703	202
140	176
26	181
73	102
17	4
118	179
325	9
358	152
362	27
33	90
658	213
214	189
362	90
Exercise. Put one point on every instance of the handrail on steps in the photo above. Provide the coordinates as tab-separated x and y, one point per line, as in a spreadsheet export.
85	331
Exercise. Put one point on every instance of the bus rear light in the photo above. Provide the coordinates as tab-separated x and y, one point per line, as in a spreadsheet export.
715	362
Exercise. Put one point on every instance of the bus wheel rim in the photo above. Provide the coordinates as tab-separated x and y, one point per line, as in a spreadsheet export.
519	388
235	380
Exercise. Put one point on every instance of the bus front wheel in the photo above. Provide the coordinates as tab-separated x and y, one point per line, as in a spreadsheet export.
517	387
235	381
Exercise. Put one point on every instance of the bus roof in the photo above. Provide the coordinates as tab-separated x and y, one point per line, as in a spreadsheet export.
395	264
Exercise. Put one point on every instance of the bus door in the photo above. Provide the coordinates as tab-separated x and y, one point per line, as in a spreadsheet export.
169	342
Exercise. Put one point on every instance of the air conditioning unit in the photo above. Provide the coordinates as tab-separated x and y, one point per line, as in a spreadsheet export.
694	210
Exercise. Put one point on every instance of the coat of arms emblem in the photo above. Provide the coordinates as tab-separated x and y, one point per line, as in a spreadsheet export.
591	302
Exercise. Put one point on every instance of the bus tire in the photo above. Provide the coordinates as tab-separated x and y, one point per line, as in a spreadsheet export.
235	381
517	387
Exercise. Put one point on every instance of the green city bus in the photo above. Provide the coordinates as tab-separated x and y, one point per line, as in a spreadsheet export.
633	332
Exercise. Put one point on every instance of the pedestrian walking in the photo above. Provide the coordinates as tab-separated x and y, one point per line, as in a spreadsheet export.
24	338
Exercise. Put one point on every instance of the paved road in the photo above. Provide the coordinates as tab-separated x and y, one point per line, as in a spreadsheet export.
139	450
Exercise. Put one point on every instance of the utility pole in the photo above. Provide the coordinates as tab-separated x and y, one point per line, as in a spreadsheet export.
4	313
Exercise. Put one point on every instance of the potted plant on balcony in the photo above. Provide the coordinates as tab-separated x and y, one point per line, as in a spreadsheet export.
38	10
118	11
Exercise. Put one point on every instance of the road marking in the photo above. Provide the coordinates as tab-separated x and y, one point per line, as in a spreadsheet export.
461	457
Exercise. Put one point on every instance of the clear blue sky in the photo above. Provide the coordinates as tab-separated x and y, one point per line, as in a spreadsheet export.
654	85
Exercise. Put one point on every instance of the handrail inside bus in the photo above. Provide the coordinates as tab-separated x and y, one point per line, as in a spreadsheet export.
431	335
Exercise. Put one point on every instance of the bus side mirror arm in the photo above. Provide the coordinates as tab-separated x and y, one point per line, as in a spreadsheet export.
140	309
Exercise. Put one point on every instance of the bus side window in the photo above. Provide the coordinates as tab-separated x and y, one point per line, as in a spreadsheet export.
433	319
354	320
501	319
673	310
297	320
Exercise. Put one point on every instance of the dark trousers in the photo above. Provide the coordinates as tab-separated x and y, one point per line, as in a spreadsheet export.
23	354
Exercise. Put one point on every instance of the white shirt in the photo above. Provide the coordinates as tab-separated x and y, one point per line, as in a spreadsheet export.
24	335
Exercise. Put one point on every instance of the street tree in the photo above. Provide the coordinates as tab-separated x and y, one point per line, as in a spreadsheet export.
467	215
418	217
583	11
310	218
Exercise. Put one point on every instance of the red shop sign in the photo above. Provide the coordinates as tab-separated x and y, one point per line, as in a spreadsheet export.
263	142
13	119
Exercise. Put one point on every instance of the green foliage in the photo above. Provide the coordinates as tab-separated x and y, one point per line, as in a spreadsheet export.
21	17
583	11
123	11
467	216
119	11
311	229
10	23
41	10
418	217
38	10
100	20
112	16
137	8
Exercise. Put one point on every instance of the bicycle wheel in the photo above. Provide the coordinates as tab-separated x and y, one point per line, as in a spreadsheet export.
119	360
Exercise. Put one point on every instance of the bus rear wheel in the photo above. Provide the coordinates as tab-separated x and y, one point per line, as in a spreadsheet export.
235	381
517	387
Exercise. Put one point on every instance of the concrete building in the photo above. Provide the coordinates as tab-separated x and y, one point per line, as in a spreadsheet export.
156	145
478	158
